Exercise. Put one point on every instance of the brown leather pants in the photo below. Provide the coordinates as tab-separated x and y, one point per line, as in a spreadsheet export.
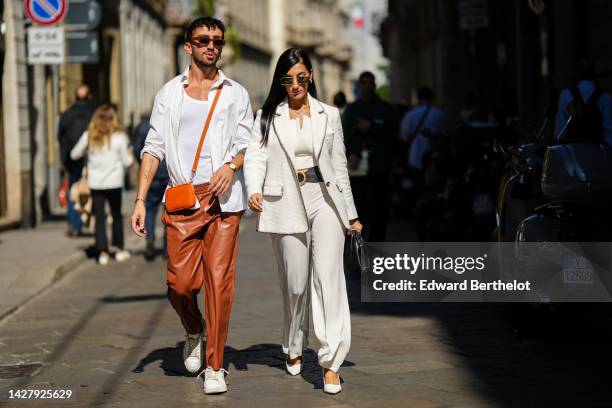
202	249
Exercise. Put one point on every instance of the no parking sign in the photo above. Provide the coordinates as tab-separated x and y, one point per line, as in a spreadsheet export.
46	12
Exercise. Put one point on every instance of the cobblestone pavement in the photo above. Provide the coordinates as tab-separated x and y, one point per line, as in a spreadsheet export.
109	335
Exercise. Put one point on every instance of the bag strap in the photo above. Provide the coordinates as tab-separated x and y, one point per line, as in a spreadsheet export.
419	125
576	94
194	168
595	96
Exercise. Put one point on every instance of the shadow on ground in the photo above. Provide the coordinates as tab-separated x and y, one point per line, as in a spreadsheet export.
171	361
520	354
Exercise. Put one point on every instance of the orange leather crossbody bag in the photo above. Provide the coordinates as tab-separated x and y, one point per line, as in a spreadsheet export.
182	196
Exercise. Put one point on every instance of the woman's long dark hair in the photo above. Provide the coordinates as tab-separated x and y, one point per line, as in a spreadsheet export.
277	92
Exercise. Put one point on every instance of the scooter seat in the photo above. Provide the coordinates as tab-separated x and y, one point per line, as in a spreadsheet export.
577	173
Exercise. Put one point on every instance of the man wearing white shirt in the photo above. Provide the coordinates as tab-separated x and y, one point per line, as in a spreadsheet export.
202	242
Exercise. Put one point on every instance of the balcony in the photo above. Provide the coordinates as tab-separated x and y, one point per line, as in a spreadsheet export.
304	37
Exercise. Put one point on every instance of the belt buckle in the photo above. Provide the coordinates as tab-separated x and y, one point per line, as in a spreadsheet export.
301	177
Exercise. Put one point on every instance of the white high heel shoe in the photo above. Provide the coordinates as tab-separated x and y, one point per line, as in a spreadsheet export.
293	369
331	388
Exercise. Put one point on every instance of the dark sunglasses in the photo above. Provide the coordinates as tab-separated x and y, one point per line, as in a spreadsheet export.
204	41
288	80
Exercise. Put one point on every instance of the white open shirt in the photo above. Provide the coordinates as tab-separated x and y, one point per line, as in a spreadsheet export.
231	125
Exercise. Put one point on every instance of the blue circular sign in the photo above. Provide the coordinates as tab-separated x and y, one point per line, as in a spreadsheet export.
46	12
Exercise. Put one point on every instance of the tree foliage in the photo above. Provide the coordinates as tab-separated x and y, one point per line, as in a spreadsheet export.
204	8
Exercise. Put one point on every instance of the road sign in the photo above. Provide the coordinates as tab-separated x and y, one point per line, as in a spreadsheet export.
45	45
82	47
83	15
474	14
46	12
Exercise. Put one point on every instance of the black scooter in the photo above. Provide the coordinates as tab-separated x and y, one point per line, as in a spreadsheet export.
559	196
576	194
520	189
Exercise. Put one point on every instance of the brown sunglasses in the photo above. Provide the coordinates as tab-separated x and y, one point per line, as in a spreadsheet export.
204	41
287	80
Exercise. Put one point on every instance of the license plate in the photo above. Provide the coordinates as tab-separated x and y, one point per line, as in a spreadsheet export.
578	276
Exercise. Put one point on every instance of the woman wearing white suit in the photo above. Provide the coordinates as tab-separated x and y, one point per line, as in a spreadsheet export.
297	179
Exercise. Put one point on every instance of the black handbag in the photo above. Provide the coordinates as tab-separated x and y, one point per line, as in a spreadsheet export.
358	261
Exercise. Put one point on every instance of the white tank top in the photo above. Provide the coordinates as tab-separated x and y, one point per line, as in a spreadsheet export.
303	143
193	116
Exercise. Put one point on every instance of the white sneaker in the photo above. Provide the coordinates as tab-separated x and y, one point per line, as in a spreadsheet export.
103	259
214	381
192	352
122	255
331	388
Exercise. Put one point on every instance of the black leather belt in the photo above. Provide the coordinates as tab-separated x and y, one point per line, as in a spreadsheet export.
310	175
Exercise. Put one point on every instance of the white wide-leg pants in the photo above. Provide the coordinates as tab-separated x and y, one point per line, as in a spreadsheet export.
311	268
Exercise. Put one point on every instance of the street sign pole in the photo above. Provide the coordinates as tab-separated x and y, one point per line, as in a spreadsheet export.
55	166
46	46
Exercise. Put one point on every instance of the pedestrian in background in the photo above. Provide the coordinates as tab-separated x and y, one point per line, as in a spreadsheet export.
370	125
106	147
156	191
419	125
72	123
590	94
340	101
298	138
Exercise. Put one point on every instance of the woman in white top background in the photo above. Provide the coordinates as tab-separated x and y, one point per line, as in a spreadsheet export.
108	156
297	180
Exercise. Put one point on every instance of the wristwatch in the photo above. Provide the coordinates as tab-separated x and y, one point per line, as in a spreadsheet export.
232	166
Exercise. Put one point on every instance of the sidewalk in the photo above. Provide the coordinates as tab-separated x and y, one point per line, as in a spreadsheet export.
32	260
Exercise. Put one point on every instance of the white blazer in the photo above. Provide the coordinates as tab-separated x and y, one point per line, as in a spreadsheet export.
270	170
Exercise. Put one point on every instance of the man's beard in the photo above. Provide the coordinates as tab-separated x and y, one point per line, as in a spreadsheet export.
202	61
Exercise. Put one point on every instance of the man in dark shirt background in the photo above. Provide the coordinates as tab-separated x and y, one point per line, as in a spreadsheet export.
73	122
156	191
370	128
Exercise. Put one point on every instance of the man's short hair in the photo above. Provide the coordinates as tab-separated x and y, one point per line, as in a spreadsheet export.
425	93
367	74
208	22
340	99
585	70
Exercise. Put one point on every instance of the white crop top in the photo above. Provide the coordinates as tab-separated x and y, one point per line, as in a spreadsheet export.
303	143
